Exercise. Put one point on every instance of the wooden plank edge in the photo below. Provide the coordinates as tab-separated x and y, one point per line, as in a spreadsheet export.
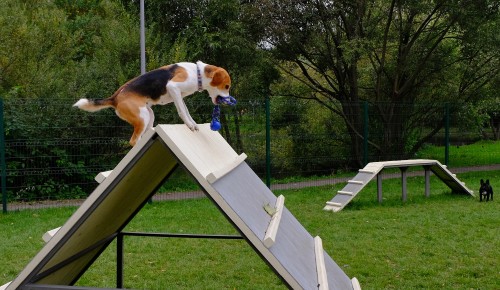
443	168
320	264
355	182
102	176
4	286
331	203
333	206
272	229
343	192
355	284
49	234
143	140
214	176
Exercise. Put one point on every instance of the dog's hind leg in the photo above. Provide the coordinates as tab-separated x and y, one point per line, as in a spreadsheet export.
151	117
135	114
141	124
139	128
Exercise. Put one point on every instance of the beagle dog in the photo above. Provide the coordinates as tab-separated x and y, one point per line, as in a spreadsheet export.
133	100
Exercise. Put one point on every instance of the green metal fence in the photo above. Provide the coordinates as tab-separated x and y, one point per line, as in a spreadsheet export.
51	152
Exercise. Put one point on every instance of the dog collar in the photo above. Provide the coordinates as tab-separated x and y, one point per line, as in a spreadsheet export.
200	85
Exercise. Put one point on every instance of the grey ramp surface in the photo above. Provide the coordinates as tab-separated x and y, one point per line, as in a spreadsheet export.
246	195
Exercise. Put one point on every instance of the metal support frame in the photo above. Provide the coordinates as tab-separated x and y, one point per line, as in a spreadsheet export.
119	246
57	287
73	258
119	256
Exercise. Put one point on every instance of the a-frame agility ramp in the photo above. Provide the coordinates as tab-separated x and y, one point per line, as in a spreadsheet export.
260	217
374	169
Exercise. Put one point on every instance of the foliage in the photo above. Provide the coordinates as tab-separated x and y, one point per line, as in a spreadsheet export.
401	53
405	58
54	53
305	138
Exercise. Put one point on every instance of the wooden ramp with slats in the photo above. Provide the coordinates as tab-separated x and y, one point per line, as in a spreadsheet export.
374	169
262	218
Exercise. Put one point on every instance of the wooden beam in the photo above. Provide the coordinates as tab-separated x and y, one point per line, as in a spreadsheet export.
272	230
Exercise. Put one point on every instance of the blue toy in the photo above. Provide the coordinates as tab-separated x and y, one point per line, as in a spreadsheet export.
215	124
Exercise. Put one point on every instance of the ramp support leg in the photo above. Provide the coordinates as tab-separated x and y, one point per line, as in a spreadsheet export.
119	261
379	187
427	181
403	182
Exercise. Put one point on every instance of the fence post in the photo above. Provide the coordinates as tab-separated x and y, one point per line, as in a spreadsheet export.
447	134
268	142
3	165
365	133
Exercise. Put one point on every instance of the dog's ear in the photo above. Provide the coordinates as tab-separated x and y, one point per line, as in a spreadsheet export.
488	181
482	181
214	73
209	70
220	79
217	78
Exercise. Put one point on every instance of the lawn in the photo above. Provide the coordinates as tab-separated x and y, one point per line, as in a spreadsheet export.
447	241
479	153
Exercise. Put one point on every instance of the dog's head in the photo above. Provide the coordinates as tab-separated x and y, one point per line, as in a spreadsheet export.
485	187
220	82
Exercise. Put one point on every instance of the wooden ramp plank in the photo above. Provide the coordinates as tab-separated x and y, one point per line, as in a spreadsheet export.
242	196
320	264
272	229
213	176
373	169
450	179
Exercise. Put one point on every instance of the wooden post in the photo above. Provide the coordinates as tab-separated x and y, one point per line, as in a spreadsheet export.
403	182
379	187
427	181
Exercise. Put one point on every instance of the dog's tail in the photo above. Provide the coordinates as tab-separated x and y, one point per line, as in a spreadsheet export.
94	105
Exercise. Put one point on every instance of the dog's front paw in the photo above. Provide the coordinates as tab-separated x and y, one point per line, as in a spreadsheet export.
193	126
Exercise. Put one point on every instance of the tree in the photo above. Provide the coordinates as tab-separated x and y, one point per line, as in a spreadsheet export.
397	55
51	54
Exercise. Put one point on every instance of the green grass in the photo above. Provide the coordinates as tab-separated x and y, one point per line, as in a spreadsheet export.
447	241
479	153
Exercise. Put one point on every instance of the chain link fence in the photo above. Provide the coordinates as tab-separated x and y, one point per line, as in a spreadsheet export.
52	152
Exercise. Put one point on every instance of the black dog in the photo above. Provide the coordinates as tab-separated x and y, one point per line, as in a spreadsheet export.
485	190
